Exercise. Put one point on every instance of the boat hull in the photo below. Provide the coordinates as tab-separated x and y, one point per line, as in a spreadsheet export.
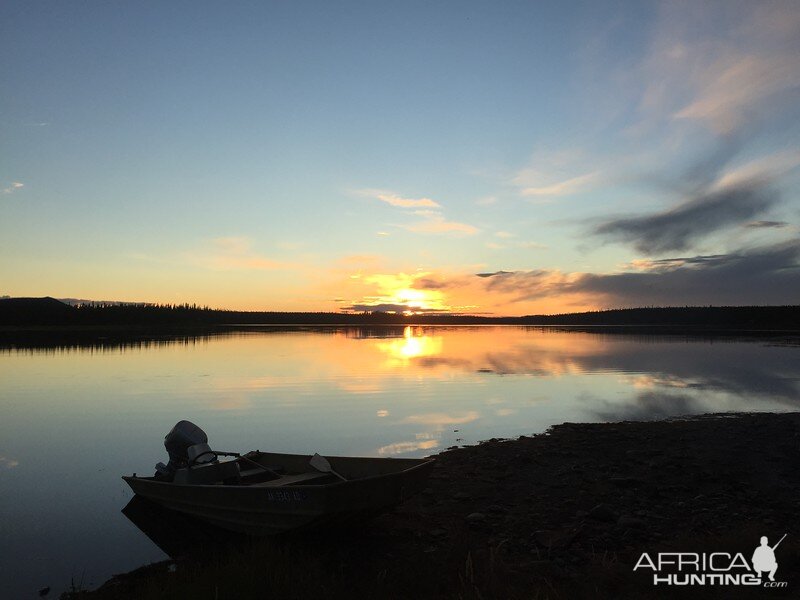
373	486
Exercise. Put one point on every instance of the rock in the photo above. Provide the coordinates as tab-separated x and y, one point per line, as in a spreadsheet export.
438	532
630	522
604	513
475	517
496	508
461	496
624	482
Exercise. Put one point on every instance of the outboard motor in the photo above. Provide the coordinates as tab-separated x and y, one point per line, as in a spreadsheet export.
179	443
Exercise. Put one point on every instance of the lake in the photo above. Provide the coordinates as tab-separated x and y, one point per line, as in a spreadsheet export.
75	417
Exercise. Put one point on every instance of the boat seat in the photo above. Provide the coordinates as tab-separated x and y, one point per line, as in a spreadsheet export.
256	475
294	479
208	473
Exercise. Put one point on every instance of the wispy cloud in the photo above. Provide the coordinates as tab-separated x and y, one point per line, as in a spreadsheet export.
744	58
14	187
396	200
432	220
767	224
552	173
680	226
766	168
726	68
734	84
564	187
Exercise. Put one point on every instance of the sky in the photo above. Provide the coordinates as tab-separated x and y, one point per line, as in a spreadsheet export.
471	157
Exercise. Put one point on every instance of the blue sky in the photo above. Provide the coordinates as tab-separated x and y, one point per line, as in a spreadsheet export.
329	155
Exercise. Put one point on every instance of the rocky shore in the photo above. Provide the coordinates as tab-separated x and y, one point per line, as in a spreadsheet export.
565	514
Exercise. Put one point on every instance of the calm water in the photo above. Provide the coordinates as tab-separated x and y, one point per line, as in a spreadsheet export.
76	418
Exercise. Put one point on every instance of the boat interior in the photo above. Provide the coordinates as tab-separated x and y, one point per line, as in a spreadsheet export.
193	462
274	470
246	471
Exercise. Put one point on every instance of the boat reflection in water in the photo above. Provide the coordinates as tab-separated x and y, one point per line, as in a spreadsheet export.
178	535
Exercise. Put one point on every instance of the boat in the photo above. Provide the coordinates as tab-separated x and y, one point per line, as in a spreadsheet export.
266	493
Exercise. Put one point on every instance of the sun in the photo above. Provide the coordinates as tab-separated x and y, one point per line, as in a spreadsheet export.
419	300
398	290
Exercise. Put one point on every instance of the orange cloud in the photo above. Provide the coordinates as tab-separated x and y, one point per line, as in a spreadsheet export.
433	220
406	447
396	200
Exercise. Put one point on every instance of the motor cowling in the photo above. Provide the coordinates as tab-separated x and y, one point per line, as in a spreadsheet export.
184	435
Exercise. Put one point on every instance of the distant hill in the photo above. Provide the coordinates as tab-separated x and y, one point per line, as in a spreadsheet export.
35	311
48	311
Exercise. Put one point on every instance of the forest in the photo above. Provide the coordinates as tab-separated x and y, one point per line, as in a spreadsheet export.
49	312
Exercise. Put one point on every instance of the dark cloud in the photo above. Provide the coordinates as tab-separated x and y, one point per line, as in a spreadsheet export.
711	259
395	308
685	375
650	406
529	284
767	224
494	274
763	275
428	283
679	227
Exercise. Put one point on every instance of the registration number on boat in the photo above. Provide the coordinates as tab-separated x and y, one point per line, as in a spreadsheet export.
286	495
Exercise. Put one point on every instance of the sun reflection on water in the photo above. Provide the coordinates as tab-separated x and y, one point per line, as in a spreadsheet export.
415	343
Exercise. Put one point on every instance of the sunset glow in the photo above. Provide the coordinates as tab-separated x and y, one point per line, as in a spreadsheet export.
414	344
534	158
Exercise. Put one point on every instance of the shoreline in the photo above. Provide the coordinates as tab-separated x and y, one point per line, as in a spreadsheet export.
49	311
563	514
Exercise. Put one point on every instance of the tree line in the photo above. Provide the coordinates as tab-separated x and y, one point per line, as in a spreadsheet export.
51	312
